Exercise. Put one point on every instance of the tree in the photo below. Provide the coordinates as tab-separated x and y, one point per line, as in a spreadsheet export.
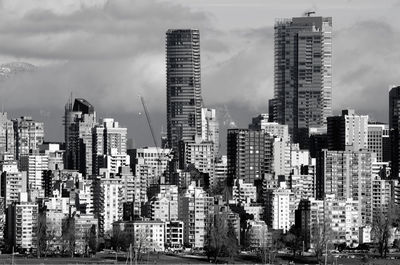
222	239
92	239
382	225
231	247
320	234
41	235
294	239
68	234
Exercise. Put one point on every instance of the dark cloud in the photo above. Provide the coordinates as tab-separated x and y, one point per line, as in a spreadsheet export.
111	53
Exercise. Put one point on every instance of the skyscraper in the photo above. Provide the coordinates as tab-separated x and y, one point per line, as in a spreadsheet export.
7	143
394	126
303	74
79	120
183	86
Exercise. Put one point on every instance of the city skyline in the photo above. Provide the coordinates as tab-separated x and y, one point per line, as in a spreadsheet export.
233	57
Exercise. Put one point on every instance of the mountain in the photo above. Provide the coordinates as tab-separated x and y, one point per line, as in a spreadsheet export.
9	69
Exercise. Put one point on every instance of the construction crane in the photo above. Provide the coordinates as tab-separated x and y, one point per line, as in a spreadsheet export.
159	155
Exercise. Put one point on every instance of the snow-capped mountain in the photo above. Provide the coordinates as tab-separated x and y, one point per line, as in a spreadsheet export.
9	69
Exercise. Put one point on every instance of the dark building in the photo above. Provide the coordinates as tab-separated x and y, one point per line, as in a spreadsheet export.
79	120
249	154
394	125
302	221
316	143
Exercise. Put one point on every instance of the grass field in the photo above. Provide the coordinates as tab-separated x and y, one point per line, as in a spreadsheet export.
189	259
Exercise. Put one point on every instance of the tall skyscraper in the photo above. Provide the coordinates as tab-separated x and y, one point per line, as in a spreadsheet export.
303	74
394	126
183	86
79	120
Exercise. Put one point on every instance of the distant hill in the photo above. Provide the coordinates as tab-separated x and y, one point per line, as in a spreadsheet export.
9	69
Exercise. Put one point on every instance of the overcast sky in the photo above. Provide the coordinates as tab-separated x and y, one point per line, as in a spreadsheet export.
109	52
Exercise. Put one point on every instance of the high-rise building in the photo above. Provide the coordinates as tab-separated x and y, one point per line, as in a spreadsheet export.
109	139
379	141
183	85
349	131
79	120
29	135
195	210
249	154
210	127
346	174
7	142
273	128
35	166
394	126
303	74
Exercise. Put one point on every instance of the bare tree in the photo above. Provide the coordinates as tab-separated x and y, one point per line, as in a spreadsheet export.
68	234
382	226
41	235
320	235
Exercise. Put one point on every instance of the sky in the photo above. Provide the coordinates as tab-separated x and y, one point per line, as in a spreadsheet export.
110	52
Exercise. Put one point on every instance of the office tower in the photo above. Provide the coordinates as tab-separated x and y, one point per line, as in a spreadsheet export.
273	128
7	142
29	135
210	127
303	74
183	86
250	155
379	141
346	174
79	120
394	126
348	132
195	210
109	140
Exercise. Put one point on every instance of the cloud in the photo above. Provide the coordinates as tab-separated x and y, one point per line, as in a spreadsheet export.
366	62
109	52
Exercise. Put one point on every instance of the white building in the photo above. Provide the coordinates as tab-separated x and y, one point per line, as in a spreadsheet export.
107	201
147	235
164	206
34	165
280	207
195	210
220	171
281	160
244	193
201	155
24	226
